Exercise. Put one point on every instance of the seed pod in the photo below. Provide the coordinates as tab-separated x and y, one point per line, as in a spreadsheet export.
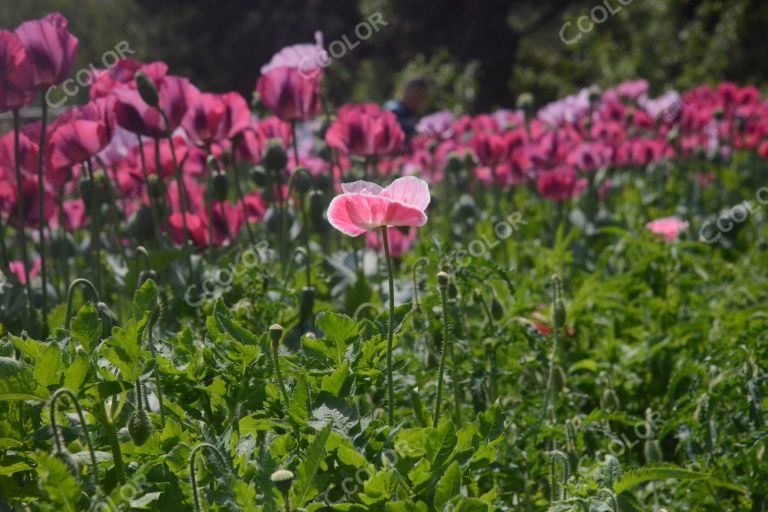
220	185
147	89
442	279
306	303
69	461
259	175
275	156
272	220
301	180
282	478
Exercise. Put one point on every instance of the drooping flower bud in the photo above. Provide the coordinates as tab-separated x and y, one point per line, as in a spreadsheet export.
147	89
497	310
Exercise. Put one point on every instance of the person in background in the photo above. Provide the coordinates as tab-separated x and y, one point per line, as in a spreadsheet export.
409	104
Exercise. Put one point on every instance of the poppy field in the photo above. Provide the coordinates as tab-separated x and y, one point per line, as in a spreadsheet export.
275	303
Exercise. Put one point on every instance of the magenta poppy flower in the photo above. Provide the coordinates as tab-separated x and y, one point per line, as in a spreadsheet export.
16	73
364	206
289	94
212	118
17	268
136	116
51	47
365	130
490	148
122	72
668	227
78	135
558	184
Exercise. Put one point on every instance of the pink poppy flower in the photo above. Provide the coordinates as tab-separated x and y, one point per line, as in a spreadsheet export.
215	117
136	116
17	268
364	206
51	47
668	227
16	73
289	94
309	59
365	130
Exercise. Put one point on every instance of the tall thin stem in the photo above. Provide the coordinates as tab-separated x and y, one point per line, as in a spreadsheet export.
444	350
41	213
390	330
20	206
81	417
152	206
193	470
95	225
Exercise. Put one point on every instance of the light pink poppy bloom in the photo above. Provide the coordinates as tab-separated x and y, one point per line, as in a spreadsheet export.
668	227
364	206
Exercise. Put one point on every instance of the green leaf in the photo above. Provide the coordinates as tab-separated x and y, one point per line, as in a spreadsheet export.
337	328
634	477
334	383
16	381
401	313
304	489
380	487
448	486
472	505
58	482
124	350
76	373
48	366
298	411
144	300
87	327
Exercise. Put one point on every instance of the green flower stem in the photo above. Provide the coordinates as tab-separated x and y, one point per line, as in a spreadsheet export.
153	207
159	175
95	244
304	219
193	470
241	198
57	436
20	206
114	443
156	370
279	374
41	213
70	296
456	386
390	330
209	186
444	352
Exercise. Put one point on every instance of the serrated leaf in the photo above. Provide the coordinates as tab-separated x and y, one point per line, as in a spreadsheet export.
303	488
298	411
47	366
448	486
87	327
144	300
338	329
636	476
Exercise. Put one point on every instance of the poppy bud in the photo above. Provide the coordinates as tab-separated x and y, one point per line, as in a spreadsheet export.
259	175
282	478
442	279
525	102
275	157
558	378
324	181
465	208
147	89
306	303
139	427
454	164
302	180
558	308
219	185
275	333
